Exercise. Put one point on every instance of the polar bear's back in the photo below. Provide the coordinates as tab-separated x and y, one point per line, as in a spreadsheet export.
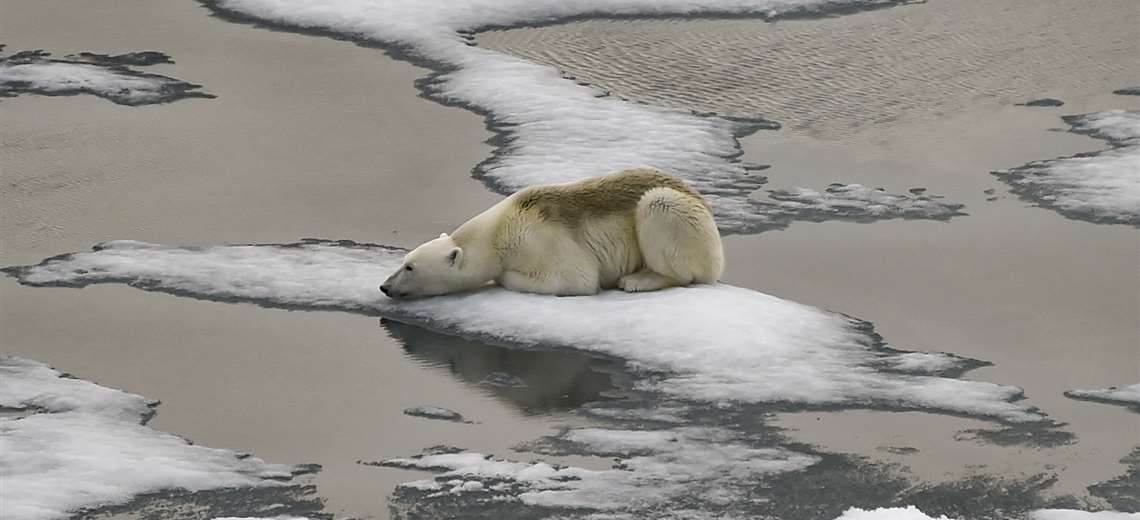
597	198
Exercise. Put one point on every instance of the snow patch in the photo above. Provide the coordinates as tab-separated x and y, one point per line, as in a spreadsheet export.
1073	514
1102	186
1126	395
888	513
858	202
90	449
34	72
653	470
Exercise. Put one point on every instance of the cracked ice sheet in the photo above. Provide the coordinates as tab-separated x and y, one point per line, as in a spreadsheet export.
1125	395
656	468
34	72
713	343
1101	186
90	449
553	130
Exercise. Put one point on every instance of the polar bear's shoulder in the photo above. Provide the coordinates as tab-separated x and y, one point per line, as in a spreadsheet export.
597	197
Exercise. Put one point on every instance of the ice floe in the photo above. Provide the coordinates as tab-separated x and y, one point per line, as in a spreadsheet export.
104	76
1102	186
714	343
1125	395
913	513
554	130
705	468
87	447
1074	514
1122	492
858	202
888	513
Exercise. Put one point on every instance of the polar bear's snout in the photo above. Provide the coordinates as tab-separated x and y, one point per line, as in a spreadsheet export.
388	288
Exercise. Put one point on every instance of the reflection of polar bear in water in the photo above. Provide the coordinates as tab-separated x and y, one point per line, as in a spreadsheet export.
640	230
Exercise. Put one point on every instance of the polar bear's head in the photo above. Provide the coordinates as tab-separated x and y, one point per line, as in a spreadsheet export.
433	268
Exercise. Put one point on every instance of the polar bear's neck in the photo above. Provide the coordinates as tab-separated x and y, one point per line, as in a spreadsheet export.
477	238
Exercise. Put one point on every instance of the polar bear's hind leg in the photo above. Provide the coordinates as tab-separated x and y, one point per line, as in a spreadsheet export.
679	242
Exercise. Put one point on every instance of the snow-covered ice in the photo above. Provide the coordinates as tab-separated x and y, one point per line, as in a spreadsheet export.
88	447
888	513
1101	186
554	130
27	384
35	72
858	202
704	467
712	343
913	513
1074	514
1125	395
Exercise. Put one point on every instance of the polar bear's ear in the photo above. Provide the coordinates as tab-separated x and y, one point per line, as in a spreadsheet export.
455	256
443	235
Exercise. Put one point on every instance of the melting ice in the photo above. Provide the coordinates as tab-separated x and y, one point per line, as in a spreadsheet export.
102	76
85	446
713	343
554	130
1101	186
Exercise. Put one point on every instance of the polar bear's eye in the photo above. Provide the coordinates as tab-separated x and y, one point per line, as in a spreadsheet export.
407	267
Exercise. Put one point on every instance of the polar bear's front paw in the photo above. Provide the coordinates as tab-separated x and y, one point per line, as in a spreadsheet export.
643	281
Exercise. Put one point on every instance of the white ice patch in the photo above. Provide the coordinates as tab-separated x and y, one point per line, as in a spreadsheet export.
1127	395
712	343
1073	514
925	362
888	513
27	384
856	201
1102	186
654	469
554	130
34	72
262	518
90	449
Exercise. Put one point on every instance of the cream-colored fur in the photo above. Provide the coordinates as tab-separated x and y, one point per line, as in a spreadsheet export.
639	230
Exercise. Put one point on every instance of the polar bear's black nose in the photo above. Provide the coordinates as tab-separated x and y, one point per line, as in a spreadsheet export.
384	289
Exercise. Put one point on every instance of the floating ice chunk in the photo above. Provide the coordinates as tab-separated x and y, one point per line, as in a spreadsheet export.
90	449
667	414
656	468
435	412
30	384
1101	186
262	518
34	72
137	59
927	362
552	129
888	513
1043	102
1127	395
711	343
855	201
1073	514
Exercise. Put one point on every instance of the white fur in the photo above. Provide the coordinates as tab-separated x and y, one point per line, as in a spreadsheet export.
669	239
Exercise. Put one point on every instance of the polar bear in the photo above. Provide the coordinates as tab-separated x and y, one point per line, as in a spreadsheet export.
640	230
